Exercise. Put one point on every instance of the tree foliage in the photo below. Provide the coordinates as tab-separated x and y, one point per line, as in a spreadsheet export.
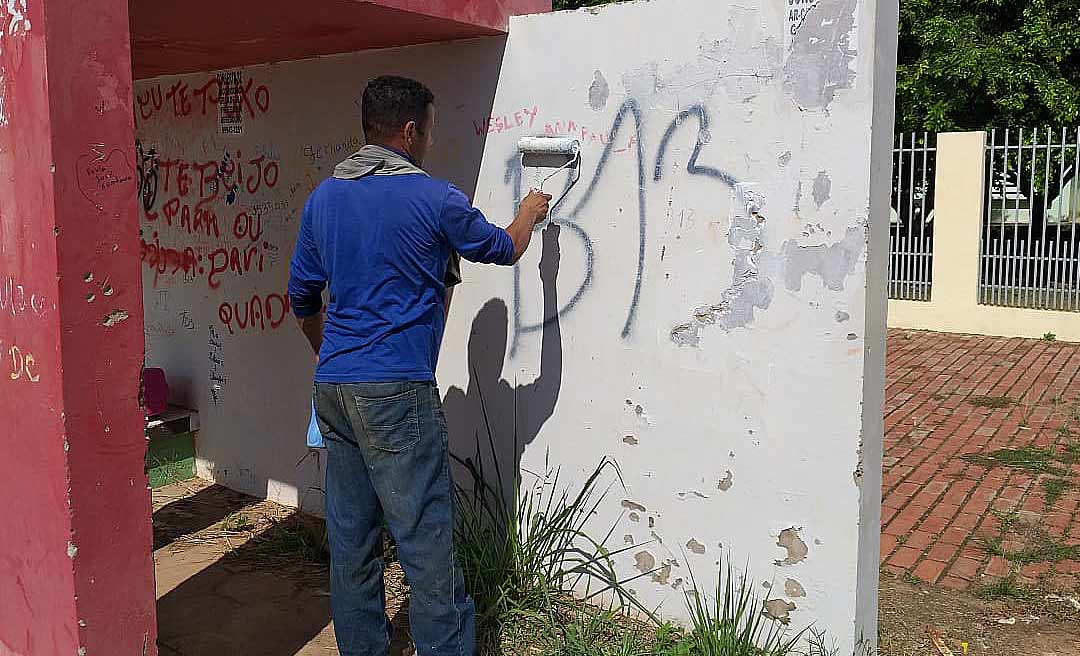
974	64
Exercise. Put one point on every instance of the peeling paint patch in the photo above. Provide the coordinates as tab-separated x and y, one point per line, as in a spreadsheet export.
822	57
662	575
749	290
822	188
794	589
851	337
842	316
779	610
691	493
644	561
685	335
832	263
725	483
796	549
72	550
858	473
632	505
695	547
745	62
599	91
631	440
115	317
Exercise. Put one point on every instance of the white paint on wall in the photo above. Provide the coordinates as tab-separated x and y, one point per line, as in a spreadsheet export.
14	26
18	19
704	266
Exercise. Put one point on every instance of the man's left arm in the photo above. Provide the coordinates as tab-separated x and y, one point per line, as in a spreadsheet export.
307	279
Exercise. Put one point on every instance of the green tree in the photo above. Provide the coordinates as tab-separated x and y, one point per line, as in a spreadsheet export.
973	64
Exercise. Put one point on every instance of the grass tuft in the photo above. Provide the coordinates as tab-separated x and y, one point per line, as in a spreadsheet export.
991	401
1054	489
1030	459
1007	588
523	558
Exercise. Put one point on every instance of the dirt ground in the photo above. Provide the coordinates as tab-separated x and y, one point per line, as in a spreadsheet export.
236	576
908	608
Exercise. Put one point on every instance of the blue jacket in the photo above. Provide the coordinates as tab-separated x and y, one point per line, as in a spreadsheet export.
381	244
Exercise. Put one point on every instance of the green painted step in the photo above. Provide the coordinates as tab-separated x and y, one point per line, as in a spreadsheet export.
170	459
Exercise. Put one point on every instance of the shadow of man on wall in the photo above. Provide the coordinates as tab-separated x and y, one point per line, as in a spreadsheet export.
492	422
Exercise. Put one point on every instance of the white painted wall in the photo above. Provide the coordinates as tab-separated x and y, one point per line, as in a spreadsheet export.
252	438
726	343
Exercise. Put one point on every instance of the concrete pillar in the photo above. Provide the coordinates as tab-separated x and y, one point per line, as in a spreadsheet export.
76	570
959	203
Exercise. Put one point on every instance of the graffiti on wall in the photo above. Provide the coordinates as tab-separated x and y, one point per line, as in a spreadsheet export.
628	123
14	26
22	364
180	100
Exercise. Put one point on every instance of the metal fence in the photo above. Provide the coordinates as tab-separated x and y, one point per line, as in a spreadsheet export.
911	224
1030	239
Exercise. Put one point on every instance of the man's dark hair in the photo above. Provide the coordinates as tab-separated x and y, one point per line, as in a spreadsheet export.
390	102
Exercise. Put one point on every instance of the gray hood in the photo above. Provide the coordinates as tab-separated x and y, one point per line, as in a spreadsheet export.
374	160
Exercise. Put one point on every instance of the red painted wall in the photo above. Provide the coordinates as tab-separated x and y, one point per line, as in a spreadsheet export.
494	14
75	554
203	35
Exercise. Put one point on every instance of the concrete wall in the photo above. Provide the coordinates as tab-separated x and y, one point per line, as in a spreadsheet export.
720	319
954	306
76	572
221	227
715	296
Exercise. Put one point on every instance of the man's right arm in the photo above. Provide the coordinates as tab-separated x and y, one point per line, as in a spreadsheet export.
470	234
532	210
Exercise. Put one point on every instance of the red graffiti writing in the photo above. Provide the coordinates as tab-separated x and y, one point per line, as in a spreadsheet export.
247	226
194	262
206	179
585	134
162	260
257	313
498	124
201	221
182	101
234	260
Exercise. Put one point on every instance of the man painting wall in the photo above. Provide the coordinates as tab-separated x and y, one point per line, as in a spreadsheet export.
379	236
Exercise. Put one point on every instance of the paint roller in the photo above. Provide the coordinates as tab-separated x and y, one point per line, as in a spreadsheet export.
560	153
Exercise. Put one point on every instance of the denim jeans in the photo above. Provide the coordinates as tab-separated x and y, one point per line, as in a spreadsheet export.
387	461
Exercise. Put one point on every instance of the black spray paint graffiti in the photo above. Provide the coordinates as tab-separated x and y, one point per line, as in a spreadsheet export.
570	219
218	379
148	176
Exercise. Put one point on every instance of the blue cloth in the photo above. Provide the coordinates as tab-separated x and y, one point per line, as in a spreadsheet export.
314	435
381	244
387	461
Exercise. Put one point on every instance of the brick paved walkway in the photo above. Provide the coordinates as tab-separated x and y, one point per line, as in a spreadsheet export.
958	523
